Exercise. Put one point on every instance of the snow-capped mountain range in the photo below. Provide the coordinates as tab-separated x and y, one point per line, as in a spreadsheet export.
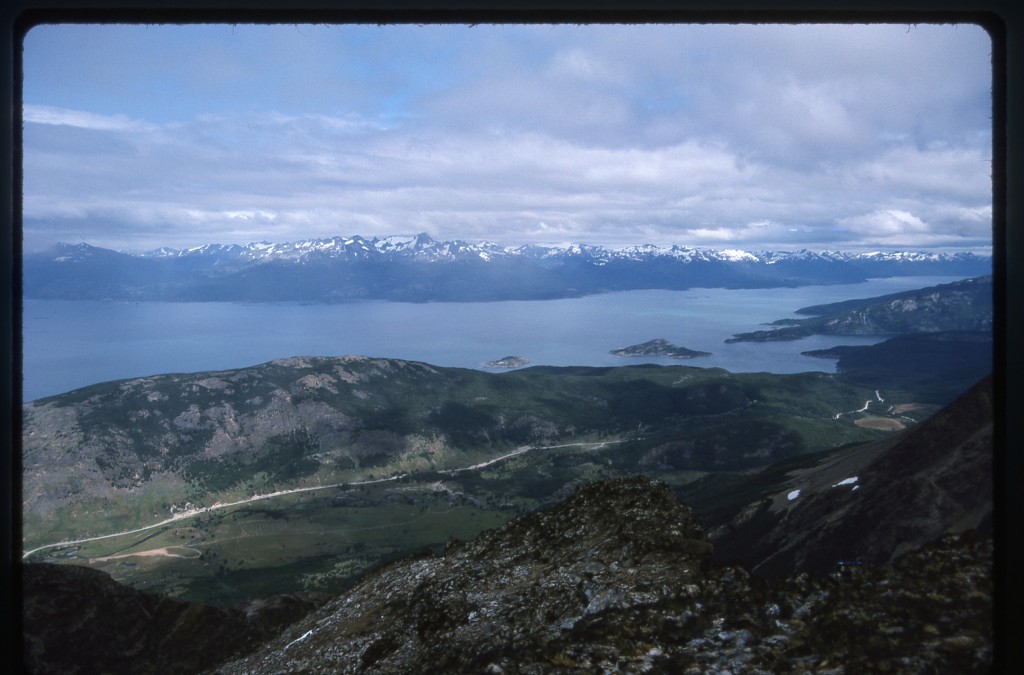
419	268
422	246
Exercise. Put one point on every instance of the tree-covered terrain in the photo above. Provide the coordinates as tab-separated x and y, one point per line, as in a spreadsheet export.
303	473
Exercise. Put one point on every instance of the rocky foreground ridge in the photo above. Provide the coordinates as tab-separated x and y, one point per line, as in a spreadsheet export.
617	578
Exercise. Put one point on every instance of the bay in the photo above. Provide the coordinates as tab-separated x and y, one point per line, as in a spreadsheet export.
70	344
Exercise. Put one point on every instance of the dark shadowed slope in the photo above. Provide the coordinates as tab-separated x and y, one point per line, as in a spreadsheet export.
78	620
870	503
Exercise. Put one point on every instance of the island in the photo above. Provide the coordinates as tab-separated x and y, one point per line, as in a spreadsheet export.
659	347
507	362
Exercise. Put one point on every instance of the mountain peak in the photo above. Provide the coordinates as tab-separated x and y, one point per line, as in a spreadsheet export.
622	519
610	546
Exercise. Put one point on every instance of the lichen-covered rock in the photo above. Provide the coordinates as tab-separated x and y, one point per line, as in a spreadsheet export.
617	579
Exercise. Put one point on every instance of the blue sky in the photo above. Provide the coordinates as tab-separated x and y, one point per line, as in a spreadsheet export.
721	136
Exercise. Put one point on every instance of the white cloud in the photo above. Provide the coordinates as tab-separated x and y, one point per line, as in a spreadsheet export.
715	135
936	172
885	225
42	114
303	180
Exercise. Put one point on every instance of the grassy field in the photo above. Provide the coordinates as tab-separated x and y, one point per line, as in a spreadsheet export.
325	540
316	541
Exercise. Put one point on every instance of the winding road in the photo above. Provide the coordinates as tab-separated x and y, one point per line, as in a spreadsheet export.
189	513
867	404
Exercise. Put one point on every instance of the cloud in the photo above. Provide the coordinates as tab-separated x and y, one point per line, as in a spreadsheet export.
42	114
885	223
750	136
300	178
938	173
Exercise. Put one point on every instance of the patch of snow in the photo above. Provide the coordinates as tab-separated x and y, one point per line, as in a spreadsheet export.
793	495
846	481
299	639
736	255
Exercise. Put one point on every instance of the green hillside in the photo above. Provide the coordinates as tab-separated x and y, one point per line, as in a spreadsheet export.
302	473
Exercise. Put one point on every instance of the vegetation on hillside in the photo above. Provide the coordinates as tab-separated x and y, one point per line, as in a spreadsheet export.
386	450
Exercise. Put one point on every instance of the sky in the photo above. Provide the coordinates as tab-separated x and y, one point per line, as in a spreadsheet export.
755	137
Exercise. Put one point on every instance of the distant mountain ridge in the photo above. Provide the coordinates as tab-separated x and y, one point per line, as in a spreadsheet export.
417	268
424	247
964	305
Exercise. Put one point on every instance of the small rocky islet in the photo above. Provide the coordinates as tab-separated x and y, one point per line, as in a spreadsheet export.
659	347
508	362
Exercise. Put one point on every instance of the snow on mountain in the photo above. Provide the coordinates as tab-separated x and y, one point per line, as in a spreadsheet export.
737	256
419	268
421	246
70	253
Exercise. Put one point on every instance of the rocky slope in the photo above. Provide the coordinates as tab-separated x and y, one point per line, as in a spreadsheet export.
617	579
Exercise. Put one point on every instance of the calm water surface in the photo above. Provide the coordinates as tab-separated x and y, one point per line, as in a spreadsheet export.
71	344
